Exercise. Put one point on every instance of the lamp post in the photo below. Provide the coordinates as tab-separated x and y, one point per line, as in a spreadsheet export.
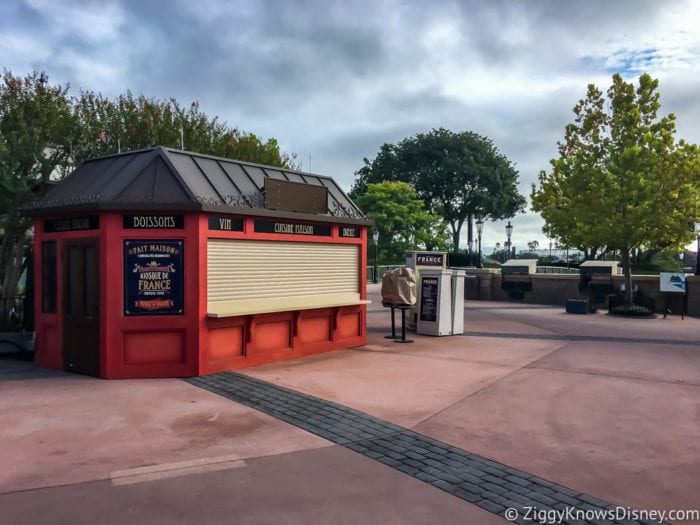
479	230
697	262
550	251
509	232
375	237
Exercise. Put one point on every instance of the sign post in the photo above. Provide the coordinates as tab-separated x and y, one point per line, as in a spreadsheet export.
671	284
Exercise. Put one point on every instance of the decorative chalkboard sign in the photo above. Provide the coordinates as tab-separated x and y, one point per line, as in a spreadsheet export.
429	299
153	277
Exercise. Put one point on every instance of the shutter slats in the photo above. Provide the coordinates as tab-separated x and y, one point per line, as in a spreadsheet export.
241	270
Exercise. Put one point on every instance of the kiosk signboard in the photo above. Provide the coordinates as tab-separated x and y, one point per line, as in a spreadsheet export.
154	222
91	222
352	232
430	259
153	277
293	228
224	223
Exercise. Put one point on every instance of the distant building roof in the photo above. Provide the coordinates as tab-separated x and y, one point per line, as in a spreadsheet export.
161	178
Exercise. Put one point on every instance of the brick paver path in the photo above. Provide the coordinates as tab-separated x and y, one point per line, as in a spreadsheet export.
473	478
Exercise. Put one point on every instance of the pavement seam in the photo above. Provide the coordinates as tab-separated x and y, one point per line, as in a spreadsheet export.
502	378
427	355
575	338
514	307
157	474
489	484
534	366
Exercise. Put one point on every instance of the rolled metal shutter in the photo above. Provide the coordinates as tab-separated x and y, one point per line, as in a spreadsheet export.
244	270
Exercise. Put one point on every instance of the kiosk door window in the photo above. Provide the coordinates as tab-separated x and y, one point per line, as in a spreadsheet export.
81	321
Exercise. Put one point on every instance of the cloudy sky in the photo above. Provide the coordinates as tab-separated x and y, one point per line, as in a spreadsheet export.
334	80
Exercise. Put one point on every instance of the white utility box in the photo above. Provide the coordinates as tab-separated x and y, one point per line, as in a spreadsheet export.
435	305
599	267
458	302
519	266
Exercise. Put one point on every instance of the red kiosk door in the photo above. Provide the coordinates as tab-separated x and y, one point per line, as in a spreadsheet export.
81	299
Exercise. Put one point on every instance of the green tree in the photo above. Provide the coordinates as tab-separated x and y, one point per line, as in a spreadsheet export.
401	220
459	176
532	246
127	123
35	126
621	180
45	133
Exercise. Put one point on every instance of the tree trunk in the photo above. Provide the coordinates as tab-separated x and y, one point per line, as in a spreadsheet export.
470	234
10	267
627	271
11	260
456	231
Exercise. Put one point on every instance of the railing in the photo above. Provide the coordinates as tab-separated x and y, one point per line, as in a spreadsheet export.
540	269
557	269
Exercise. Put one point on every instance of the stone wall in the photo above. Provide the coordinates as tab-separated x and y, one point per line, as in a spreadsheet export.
554	289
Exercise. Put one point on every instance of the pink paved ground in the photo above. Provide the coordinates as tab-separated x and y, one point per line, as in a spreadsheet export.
330	485
617	420
71	429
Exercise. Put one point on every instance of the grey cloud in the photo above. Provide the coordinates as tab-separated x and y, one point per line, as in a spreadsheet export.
19	14
544	29
337	79
680	97
262	64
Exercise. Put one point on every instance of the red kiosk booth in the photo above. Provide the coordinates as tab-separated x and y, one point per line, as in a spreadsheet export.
167	263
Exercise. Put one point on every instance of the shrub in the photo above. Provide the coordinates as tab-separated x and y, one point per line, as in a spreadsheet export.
632	311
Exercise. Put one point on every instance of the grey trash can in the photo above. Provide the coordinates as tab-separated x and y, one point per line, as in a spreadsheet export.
471	287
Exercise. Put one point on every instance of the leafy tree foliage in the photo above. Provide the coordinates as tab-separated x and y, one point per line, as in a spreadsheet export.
45	133
459	176
401	220
660	261
35	126
107	126
621	180
532	246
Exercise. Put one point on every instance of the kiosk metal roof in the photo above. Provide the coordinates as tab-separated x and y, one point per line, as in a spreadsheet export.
161	178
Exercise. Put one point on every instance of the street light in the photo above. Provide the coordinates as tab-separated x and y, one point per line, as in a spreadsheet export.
509	232
697	263
479	230
375	236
